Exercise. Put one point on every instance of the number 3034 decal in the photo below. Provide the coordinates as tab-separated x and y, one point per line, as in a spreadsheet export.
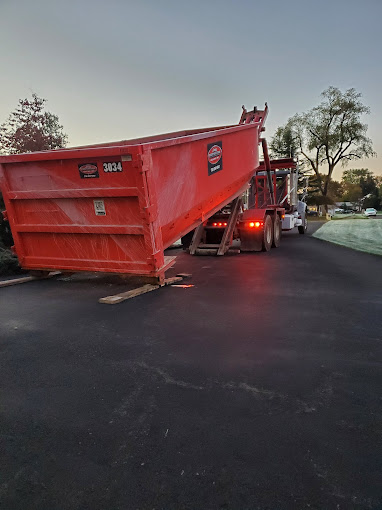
112	167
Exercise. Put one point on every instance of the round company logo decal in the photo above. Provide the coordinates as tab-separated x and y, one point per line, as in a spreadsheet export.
88	168
214	154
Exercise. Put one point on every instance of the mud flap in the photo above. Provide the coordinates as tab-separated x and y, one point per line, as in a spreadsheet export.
251	240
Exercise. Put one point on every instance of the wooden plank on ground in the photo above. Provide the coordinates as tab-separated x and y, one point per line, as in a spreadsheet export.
173	279
16	281
118	298
123	296
25	279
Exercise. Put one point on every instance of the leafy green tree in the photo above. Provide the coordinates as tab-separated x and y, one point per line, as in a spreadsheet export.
335	192
378	181
352	192
371	201
283	143
364	184
368	185
29	128
353	175
330	134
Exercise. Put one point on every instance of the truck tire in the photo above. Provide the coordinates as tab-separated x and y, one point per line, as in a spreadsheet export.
276	232
303	228
267	233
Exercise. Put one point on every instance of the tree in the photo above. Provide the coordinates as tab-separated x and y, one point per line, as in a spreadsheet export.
352	192
368	185
378	181
363	184
353	176
29	128
335	192
283	143
330	133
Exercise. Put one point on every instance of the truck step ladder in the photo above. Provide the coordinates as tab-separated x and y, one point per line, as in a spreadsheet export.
199	248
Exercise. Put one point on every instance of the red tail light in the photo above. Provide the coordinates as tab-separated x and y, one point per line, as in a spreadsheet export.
255	224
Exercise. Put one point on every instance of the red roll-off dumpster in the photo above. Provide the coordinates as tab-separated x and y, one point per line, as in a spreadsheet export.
116	207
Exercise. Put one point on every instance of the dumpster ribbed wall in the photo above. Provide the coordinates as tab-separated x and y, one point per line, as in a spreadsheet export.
56	224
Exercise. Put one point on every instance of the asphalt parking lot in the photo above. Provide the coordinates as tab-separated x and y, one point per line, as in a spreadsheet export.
257	388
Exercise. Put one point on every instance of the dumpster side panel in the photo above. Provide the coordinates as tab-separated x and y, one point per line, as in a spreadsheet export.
88	214
187	190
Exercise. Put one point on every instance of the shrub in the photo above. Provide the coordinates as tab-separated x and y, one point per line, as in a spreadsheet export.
9	263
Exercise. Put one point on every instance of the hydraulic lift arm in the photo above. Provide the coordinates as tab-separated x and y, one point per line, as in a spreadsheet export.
268	169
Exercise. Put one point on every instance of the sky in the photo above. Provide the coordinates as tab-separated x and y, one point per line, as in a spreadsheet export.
121	69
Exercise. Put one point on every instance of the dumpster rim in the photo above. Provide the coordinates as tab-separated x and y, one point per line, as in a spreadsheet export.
120	150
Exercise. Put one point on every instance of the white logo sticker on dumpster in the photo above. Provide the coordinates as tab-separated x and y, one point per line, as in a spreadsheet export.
99	207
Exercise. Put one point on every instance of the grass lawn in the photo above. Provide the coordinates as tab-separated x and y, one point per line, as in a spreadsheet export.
359	234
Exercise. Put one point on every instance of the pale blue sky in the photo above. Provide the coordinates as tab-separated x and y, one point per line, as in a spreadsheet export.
122	69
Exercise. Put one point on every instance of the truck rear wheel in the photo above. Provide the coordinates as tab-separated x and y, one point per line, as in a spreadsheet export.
267	233
276	232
